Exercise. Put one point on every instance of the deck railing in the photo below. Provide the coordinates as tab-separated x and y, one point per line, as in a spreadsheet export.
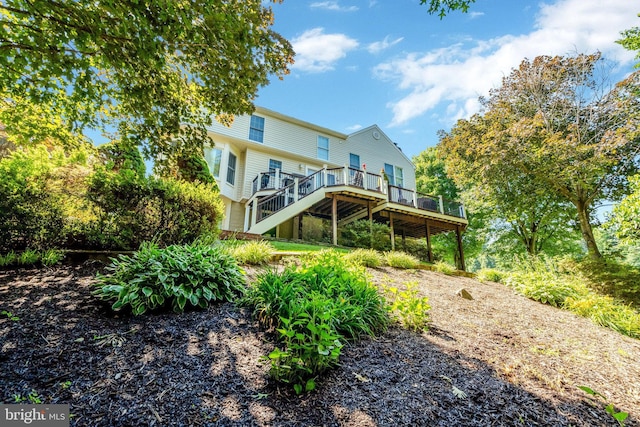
292	188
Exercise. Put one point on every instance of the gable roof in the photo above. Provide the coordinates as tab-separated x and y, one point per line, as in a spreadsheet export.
383	135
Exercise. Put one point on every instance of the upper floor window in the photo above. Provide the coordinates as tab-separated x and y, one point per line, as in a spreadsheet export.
231	169
323	148
256	129
395	174
214	158
354	161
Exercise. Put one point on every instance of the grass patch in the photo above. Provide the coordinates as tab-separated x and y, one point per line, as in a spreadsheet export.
302	247
365	258
399	259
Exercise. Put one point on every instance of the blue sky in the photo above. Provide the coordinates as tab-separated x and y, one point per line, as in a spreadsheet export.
388	62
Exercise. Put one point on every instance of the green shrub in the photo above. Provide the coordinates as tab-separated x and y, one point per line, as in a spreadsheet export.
363	234
406	307
8	259
29	257
401	260
132	209
315	306
178	276
364	258
254	252
444	268
545	287
30	214
51	257
606	311
491	275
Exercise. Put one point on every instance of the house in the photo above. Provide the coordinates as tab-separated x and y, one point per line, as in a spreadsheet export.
274	171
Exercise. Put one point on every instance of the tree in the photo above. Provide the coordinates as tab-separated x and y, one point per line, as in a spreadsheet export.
625	217
442	7
555	124
158	70
631	41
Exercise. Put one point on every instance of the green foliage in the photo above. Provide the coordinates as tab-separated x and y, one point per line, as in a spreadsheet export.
30	214
407	307
401	260
190	167
442	7
444	267
625	217
132	209
8	259
565	284
534	157
119	156
619	416
539	278
315	307
616	279
254	252
144	68
490	275
51	257
365	234
178	276
28	257
631	41
364	258
10	315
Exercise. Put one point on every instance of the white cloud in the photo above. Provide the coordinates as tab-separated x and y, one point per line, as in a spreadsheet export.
354	128
455	76
333	5
318	52
377	47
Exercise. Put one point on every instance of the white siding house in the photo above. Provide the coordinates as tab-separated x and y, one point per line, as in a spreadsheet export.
273	169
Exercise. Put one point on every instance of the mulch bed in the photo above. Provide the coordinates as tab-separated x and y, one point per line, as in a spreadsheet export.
516	361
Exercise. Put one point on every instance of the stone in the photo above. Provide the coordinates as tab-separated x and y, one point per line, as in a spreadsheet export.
462	292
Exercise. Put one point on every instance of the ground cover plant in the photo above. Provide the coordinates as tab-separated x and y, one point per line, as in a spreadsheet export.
176	277
564	284
255	252
315	307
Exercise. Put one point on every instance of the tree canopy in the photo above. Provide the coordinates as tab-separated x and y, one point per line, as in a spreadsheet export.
553	132
157	70
631	41
442	7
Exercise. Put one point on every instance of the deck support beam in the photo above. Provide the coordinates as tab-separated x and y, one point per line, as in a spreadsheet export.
429	250
334	219
460	249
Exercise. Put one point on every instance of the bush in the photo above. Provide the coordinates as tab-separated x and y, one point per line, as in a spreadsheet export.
315	307
410	310
401	260
362	234
178	277
444	268
254	252
133	209
364	258
490	275
605	311
30	214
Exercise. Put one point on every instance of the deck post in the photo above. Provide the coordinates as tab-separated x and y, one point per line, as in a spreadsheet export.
296	187
429	250
334	219
276	178
393	233
345	175
254	212
247	214
460	249
364	177
441	204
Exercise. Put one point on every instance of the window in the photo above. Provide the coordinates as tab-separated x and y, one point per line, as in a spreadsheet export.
256	129
231	169
354	161
323	147
274	164
399	177
214	158
389	170
395	174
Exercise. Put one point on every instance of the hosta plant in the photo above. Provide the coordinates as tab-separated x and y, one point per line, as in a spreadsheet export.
176	277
